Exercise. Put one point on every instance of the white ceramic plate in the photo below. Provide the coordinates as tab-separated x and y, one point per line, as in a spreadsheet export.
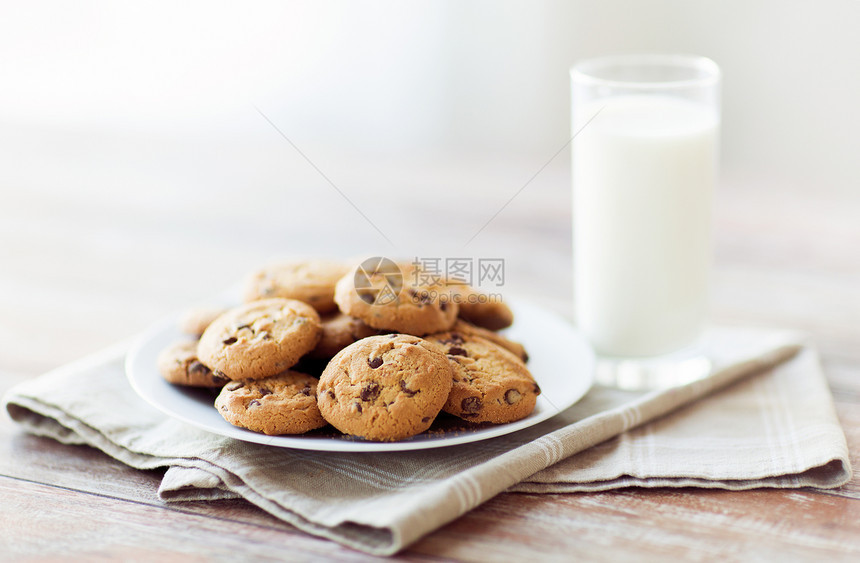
559	358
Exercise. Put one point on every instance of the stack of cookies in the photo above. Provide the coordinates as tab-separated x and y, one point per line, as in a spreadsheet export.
397	349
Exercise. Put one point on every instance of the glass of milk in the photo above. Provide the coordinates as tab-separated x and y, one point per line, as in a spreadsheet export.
644	161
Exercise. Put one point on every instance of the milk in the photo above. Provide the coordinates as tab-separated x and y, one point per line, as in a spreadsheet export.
643	176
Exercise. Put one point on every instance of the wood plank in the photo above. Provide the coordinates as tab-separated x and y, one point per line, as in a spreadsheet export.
646	524
654	525
86	470
843	375
54	523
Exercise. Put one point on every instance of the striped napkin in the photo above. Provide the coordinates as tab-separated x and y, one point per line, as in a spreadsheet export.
763	418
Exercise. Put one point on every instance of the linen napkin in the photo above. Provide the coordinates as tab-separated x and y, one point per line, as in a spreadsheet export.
775	428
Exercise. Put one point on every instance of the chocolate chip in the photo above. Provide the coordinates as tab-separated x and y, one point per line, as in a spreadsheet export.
331	395
454	338
370	391
526	359
468	414
471	405
265	391
240	327
254	403
357	407
220	379
366	297
406	390
443	306
235	385
457	351
374	362
425	419
196	368
512	396
265	335
306	390
231	340
420	297
537	389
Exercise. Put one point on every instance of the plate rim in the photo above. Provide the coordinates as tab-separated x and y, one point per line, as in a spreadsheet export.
363	446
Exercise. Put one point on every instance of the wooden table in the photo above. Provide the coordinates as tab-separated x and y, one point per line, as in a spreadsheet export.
93	248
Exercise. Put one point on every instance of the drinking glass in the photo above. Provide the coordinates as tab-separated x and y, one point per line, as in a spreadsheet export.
644	162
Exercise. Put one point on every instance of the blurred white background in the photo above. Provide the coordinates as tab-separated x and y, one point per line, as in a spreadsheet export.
407	77
129	136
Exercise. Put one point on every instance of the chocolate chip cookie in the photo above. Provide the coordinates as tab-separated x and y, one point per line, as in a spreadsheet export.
194	321
385	388
179	365
259	339
281	404
490	383
311	281
393	299
338	332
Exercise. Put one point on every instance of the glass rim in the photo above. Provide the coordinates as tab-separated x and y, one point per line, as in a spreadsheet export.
583	71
